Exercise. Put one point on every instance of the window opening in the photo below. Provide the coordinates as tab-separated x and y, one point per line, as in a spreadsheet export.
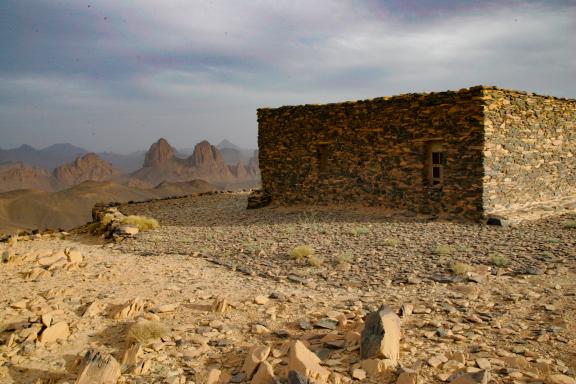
435	161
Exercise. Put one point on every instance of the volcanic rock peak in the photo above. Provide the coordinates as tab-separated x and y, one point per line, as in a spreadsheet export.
159	152
205	154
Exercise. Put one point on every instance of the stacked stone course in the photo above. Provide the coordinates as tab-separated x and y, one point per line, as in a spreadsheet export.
373	152
530	151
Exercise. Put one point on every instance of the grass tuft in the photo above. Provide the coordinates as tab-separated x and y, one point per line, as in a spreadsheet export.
315	261
358	231
499	261
344	257
461	268
570	225
107	219
390	242
443	250
142	222
144	331
302	251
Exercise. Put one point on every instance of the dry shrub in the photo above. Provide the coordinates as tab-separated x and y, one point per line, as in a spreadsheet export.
499	261
443	250
345	257
390	242
302	251
107	219
143	331
315	261
461	268
142	222
570	225
358	231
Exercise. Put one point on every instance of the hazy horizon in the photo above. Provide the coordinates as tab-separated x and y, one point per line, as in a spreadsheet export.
115	76
179	149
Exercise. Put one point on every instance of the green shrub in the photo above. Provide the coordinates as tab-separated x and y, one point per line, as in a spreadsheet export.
302	251
499	261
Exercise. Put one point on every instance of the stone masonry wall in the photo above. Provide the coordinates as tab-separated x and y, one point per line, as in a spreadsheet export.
374	153
530	151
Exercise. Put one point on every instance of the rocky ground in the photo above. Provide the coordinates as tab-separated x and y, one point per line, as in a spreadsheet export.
217	280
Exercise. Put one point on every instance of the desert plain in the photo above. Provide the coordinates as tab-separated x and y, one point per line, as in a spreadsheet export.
240	295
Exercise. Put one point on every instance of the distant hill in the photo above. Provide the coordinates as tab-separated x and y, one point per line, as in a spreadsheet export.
232	153
31	209
48	158
87	167
23	176
59	154
206	162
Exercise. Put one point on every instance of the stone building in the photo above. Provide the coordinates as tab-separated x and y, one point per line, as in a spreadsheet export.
473	153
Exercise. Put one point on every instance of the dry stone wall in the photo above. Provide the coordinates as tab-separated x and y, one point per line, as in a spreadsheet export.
374	152
530	151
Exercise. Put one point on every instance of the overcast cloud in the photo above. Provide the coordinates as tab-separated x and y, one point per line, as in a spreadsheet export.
118	74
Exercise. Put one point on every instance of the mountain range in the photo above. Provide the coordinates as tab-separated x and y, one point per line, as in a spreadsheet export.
35	197
63	153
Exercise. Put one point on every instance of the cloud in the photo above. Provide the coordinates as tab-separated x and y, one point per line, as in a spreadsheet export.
199	69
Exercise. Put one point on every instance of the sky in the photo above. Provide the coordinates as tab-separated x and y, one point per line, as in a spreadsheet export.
118	74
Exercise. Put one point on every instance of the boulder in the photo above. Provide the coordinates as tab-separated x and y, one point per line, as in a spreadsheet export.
305	362
98	368
130	310
560	379
57	331
264	374
256	355
480	377
74	255
381	335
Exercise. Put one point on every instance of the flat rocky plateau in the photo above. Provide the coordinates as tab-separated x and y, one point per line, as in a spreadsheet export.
222	279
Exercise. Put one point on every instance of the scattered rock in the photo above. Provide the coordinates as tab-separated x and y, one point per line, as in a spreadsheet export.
74	255
130	310
94	309
127	230
560	379
164	308
57	331
381	335
480	377
220	305
264	374
256	355
131	354
375	367
295	377
98	368
213	376
358	374
261	300
407	378
302	360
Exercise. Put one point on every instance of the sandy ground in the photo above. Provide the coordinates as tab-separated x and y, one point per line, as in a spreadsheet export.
519	318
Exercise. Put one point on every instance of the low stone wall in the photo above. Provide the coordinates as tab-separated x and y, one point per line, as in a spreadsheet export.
373	152
530	152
